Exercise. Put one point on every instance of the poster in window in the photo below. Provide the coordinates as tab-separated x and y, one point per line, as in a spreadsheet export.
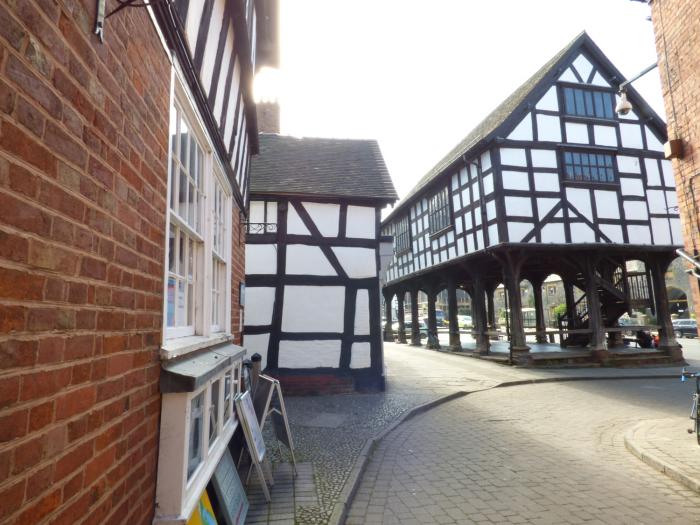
203	513
230	493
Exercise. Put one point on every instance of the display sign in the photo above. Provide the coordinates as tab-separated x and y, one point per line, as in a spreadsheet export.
203	513
268	404
229	491
253	435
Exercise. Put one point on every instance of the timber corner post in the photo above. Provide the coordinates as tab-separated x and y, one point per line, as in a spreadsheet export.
658	266
388	330
433	341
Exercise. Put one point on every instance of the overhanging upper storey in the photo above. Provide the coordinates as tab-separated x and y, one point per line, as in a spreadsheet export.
552	164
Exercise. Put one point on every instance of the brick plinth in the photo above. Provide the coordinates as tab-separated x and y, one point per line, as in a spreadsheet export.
83	175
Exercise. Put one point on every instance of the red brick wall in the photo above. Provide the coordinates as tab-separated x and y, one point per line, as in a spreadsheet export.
677	28
83	158
237	274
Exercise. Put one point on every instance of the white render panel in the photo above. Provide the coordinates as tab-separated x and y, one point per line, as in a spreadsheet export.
606	204
470	243
583	66
295	226
313	309
493	234
257	211
657	201
554	233
629	186
488	184
513	157
523	131
211	44
485	161
259	304
550	100
661	230
194	19
361	356
639	233
548	128
518	206
326	217
309	354
576	133
221	86
635	211
546	181
598	80
515	180
362	313
544	206
653	143
257	344
236	81
361	222
490	210
631	136
612	232
307	260
581	232
260	259
518	230
667	169
581	200
605	136
543	158
568	76
671	201
676	230
358	263
653	174
628	164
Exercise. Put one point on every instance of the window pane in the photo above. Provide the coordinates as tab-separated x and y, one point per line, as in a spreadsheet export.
580	107
181	210
214	412
608	105
569	100
599	109
171	301
227	396
194	456
171	249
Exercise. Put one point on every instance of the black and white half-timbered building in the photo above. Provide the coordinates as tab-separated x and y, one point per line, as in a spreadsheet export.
312	262
551	182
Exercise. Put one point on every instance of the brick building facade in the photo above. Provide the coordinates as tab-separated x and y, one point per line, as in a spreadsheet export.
677	28
89	224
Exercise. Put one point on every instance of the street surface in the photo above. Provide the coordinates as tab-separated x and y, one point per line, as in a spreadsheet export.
540	453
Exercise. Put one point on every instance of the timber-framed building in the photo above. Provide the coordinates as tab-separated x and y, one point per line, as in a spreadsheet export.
552	181
312	262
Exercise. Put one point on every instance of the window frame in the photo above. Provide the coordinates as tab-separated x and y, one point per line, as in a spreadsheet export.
401	236
442	212
562	86
178	337
588	151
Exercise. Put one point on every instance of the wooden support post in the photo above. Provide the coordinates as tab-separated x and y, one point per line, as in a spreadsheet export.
433	342
512	264
540	326
455	343
658	266
401	317
480	317
570	304
388	330
491	310
415	327
597	344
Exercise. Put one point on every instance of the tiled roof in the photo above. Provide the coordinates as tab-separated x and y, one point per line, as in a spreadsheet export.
321	167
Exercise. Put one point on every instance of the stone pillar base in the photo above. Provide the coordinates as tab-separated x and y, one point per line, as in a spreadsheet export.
674	351
402	339
600	355
481	351
388	337
520	349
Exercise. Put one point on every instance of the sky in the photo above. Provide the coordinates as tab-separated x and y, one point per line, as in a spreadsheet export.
418	76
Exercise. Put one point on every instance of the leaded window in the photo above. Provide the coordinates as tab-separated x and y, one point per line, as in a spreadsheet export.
589	167
402	237
588	103
439	211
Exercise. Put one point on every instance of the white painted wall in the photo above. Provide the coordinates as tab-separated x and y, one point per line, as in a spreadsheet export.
612	231
627	164
636	211
546	181
309	354
361	355
313	309
358	263
518	230
550	100
360	222
513	157
640	234
543	158
515	180
583	67
295	226
523	131
630	186
548	128
257	343
581	200
326	217
260	259
554	232
631	136
518	206
259	304
576	133
307	260
581	232
362	313
606	203
661	230
605	136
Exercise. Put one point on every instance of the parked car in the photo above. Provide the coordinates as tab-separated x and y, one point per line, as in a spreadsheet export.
685	328
464	321
440	318
422	327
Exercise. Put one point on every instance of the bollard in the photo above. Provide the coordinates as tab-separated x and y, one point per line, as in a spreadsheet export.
256	360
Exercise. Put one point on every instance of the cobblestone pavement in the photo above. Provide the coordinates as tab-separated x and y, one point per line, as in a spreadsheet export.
547	453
